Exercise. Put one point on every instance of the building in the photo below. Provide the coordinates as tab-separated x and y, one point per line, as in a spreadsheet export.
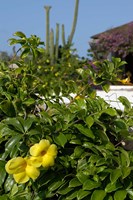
117	42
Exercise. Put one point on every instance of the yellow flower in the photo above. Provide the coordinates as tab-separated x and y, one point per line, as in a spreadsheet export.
22	169
43	154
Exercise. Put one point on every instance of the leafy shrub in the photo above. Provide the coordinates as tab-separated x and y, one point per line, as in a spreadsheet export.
93	140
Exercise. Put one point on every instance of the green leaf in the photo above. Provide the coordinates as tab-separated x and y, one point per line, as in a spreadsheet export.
82	194
55	185
72	195
120	125
89	121
9	183
64	189
24	54
61	139
78	152
19	34
110	111
74	183
125	172
124	157
28	123
126	103
81	103
110	187
13	41
2	172
102	135
10	145
14	122
85	131
98	195
81	177
115	174
90	184
8	108
106	87
120	195
14	190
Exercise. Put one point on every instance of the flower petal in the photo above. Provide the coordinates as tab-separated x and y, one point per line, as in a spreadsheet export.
35	150
15	165
52	151
21	177
40	148
44	144
35	161
32	172
48	161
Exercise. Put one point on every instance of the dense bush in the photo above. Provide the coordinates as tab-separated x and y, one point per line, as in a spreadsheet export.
91	155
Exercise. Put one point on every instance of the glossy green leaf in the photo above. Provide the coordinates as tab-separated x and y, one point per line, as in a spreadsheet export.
64	189
72	195
85	131
106	87
81	177
110	187
2	172
74	183
120	195
8	108
28	123
90	184
55	185
14	189
61	139
110	111
78	152
82	194
125	160
125	102
25	53
10	145
19	34
89	121
81	103
13	41
120	124
125	171
115	174
9	183
15	123
98	195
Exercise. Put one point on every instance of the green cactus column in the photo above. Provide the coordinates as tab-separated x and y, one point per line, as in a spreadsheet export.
52	46
74	22
57	41
47	9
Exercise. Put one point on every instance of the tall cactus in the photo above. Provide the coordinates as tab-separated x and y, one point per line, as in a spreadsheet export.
47	8
57	41
51	48
63	35
74	22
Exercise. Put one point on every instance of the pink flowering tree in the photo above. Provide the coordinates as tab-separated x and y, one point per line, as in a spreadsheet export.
118	41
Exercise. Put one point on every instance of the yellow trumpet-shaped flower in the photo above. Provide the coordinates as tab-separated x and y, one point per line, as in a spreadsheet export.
43	153
22	169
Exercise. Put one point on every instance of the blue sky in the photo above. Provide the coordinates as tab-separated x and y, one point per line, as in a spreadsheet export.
95	16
